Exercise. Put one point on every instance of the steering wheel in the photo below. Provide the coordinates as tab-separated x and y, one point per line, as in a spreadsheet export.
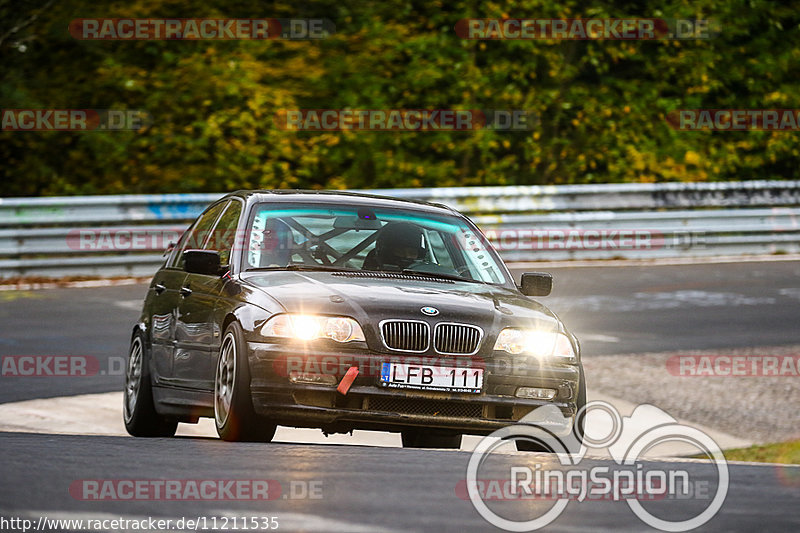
419	263
434	268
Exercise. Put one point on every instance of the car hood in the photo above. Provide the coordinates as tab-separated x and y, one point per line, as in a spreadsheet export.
371	299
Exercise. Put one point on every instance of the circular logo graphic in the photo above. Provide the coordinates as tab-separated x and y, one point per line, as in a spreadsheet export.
430	311
645	431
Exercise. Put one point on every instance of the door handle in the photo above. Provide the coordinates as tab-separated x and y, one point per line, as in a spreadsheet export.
185	291
159	288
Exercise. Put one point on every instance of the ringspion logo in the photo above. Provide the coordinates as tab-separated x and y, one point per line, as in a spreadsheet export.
563	477
599	484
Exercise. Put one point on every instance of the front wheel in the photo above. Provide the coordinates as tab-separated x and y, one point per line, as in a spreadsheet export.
138	410
234	416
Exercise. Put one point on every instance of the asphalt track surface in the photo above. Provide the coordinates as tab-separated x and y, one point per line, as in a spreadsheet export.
363	488
620	310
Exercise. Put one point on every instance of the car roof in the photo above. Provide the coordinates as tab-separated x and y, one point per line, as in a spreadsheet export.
353	198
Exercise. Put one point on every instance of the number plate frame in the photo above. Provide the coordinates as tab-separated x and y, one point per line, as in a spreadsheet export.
398	375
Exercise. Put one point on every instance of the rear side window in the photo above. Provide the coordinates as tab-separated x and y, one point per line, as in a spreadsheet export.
196	237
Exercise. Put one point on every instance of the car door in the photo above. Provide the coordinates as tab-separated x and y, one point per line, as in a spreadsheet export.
165	295
198	340
193	239
162	308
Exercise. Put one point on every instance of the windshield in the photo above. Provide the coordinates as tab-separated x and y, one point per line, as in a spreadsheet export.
331	237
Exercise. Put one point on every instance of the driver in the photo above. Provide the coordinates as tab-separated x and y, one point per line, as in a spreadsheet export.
398	246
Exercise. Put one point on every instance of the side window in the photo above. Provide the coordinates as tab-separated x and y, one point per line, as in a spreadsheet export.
224	235
197	235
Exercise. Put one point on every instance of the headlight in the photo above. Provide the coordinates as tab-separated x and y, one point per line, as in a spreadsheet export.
534	342
310	327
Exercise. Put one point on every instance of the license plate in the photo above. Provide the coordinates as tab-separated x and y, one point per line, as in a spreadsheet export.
425	377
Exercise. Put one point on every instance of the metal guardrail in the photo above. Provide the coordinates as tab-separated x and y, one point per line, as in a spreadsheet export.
41	236
612	196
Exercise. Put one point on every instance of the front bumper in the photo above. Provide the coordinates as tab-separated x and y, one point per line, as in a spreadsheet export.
368	405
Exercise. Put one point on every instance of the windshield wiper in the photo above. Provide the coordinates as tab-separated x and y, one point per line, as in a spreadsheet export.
440	275
295	267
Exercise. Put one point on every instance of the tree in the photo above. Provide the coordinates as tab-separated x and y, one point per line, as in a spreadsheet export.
601	105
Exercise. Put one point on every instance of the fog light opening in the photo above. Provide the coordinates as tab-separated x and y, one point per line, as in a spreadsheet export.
309	377
535	393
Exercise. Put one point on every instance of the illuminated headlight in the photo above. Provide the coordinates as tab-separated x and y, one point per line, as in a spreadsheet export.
533	342
310	327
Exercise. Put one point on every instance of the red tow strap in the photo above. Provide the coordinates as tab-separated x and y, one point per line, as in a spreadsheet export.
347	380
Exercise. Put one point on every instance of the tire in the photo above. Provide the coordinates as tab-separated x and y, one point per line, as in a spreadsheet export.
138	409
234	416
422	438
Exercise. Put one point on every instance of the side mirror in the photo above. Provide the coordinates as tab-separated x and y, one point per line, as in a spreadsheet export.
536	284
202	262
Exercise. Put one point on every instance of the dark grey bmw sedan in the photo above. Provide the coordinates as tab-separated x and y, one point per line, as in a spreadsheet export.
345	311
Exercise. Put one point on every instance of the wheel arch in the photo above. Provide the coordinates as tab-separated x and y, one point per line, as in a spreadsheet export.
244	317
139	327
229	317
